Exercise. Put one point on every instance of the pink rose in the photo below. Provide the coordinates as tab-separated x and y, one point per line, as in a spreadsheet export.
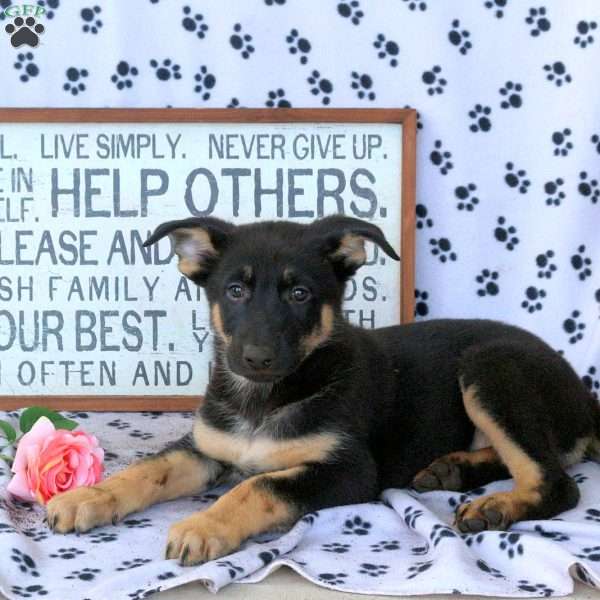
50	461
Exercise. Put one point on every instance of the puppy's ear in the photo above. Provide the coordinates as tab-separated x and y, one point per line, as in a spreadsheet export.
197	241
342	241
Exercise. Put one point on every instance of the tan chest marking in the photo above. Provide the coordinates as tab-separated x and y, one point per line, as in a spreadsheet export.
260	452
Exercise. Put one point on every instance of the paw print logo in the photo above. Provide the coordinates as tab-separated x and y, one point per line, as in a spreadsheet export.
442	248
74	83
497	5
25	65
581	263
320	87
418	568
123	78
537	18
480	115
194	24
588	188
488	280
506	234
165	71
590	553
411	516
24	32
574	327
557	72
459	37
545	265
533	297
373	570
241	41
561	140
333	578
421	308
441	158
552	535
91	23
595	139
363	84
351	10
298	45
516	178
464	193
555	194
435	84
439	532
356	526
67	553
489	570
25	563
276	98
336	547
385	546
512	95
414	5
205	82
584	37
387	49
232	569
84	574
591	381
511	544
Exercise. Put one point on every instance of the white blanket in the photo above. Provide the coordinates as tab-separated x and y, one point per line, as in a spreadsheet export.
400	545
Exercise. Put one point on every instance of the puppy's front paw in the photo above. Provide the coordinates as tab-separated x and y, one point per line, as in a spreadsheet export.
81	509
200	538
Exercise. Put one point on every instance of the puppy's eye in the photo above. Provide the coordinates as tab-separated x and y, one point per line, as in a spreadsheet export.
299	294
236	292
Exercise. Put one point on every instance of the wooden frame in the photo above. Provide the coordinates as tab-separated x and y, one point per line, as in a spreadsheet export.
406	117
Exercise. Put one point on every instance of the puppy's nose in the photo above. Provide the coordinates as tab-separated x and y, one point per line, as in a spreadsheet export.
257	357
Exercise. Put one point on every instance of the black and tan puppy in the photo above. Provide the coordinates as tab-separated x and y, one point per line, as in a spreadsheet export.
313	412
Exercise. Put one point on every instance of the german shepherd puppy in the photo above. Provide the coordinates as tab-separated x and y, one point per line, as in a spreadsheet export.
312	412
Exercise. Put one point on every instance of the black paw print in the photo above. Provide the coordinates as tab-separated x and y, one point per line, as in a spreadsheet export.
24	32
442	248
194	24
512	95
387	49
418	568
441	158
421	308
489	570
273	2
108	456
298	45
591	553
91	24
320	87
37	535
277	98
137	523
435	84
591	382
555	194
336	547
78	415
488	280
142	435
588	188
540	589
103	538
537	18
472	538
119	424
584	37
481	118
557	72
268	556
50	6
506	234
511	544
595	139
333	578
545	264
439	532
414	5
385	546
592	514
561	140
205	82
123	77
166	70
74	82
29	591
133	563
356	526
574	327
25	563
533	297
498	5
351	10
411	516
578	478
373	570
84	574
234	103
581	263
241	41
26	66
422	219
67	553
459	37
516	178
552	535
419	550
467	200
6	528
232	569
363	84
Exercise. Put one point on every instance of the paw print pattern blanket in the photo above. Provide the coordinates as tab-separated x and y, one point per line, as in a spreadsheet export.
401	544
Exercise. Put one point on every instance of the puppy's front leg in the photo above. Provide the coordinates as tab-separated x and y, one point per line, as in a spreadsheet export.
179	470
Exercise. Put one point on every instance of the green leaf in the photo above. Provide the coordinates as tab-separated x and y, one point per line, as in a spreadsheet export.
9	431
30	415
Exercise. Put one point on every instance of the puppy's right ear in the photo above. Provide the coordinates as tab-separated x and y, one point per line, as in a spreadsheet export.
197	241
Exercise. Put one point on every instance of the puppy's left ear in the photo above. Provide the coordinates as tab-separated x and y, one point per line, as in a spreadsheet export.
198	242
342	241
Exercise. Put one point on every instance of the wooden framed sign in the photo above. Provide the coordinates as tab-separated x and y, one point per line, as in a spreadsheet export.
89	318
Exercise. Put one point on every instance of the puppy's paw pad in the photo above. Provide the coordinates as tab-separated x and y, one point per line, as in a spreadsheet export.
439	475
491	512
